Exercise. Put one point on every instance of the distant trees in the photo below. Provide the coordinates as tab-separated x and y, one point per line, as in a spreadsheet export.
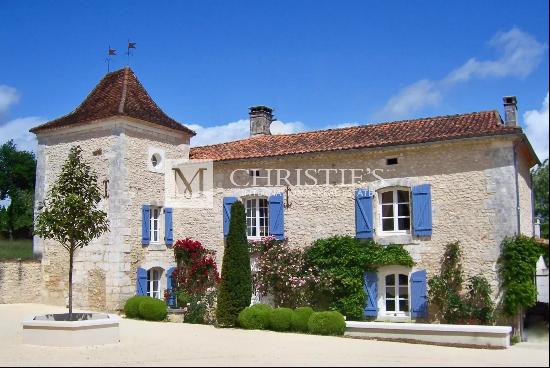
540	187
17	182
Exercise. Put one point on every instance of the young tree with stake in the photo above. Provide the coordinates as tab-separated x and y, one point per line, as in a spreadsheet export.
69	214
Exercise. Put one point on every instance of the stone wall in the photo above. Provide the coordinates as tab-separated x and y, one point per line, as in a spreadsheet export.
104	271
473	199
525	189
20	281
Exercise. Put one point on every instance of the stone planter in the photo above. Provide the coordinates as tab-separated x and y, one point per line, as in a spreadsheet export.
57	330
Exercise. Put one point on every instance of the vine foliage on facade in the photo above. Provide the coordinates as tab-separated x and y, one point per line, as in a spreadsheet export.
456	302
517	268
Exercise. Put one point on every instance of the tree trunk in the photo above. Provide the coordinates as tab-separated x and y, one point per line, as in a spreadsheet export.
71	254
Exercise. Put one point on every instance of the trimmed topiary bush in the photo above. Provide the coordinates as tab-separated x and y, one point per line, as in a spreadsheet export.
152	309
327	323
131	307
300	318
279	319
235	289
255	317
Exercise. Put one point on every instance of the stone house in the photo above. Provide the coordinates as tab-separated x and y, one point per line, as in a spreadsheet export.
422	183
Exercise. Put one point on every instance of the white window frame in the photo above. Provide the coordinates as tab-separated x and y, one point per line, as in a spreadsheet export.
155	287
395	216
382	273
257	216
397	294
158	222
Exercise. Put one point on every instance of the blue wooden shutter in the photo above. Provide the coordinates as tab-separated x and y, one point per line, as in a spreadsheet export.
419	302
169	286
227	203
277	216
364	225
168	231
371	289
145	224
422	210
141	281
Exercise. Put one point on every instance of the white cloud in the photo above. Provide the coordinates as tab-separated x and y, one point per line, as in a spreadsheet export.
412	98
237	130
8	97
519	54
18	130
536	128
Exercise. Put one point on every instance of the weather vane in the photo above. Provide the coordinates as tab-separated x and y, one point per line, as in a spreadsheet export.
111	52
131	45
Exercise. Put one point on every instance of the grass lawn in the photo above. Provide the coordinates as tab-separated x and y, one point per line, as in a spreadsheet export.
16	249
544	231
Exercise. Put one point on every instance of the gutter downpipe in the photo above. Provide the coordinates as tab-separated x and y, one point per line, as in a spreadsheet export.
518	232
518	212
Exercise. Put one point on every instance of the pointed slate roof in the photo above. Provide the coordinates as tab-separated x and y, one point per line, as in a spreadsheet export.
119	93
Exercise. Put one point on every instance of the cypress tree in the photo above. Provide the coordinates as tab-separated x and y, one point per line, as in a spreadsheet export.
235	291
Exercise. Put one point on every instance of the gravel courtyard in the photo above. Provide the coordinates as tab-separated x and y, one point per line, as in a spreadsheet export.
171	344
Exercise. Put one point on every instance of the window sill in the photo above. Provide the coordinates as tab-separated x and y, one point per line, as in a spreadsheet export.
395	238
157	246
400	318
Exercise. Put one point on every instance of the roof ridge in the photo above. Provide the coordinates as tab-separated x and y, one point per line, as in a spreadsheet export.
124	91
362	126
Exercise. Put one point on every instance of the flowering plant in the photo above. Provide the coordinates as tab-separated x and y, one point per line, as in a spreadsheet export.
280	272
194	280
196	267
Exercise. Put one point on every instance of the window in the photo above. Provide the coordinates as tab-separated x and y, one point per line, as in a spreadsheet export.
155	159
154	288
396	294
257	222
155	224
392	161
395	211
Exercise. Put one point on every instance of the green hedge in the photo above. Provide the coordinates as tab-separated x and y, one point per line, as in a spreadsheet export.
279	319
131	307
300	318
152	309
255	317
327	323
303	319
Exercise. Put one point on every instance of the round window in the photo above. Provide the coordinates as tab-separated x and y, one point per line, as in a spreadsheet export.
155	160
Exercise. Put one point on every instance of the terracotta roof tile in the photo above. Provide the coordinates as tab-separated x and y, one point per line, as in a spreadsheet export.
118	94
477	124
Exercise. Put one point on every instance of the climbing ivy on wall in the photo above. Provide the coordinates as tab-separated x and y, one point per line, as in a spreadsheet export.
344	260
447	294
519	256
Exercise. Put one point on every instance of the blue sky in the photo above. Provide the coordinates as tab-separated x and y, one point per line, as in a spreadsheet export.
317	63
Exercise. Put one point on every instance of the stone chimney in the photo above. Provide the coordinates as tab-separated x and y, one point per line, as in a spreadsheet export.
510	111
260	120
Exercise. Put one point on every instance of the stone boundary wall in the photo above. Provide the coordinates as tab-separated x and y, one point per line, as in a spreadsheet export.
20	281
